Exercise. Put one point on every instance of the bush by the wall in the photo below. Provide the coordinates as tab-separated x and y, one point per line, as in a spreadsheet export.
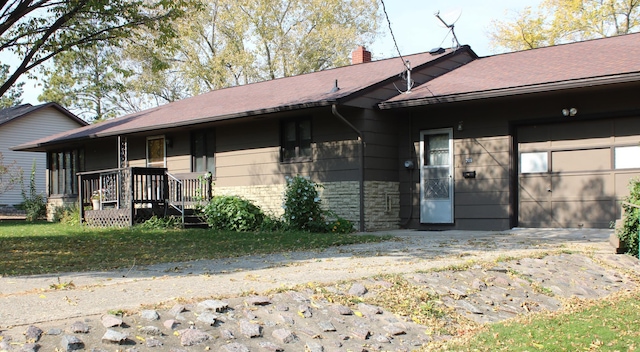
34	203
233	213
302	209
628	232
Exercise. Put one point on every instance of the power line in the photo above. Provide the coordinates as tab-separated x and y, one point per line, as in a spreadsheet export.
384	9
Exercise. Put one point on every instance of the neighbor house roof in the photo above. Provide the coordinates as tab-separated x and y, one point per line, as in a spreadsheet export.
588	63
15	112
284	94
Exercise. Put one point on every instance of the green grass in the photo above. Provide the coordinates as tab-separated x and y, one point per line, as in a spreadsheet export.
605	325
41	248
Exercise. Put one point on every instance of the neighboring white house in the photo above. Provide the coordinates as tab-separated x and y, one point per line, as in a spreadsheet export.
24	123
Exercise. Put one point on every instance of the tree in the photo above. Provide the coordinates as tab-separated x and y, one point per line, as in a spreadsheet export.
87	82
563	21
13	96
233	42
35	31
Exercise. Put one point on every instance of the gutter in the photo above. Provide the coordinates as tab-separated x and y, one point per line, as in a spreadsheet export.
336	113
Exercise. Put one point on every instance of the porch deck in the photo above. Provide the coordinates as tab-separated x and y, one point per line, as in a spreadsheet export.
125	196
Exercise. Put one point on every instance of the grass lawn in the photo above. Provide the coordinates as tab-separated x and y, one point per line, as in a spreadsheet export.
610	324
40	248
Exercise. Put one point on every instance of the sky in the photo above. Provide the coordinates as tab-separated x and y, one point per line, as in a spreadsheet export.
417	30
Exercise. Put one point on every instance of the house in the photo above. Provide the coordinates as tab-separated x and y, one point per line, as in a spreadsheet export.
24	123
541	138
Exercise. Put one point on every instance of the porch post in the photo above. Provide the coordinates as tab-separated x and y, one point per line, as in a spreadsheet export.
81	199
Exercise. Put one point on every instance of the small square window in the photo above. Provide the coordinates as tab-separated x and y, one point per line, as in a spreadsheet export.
534	162
627	157
295	140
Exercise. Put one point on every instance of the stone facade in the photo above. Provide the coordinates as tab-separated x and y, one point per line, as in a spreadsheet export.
382	201
267	197
381	205
54	203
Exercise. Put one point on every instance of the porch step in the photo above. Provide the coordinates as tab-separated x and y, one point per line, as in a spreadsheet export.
194	222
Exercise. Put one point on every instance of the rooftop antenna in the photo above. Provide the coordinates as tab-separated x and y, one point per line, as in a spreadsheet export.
455	15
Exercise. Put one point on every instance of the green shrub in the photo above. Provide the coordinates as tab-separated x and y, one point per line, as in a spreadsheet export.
302	209
157	223
34	204
341	225
628	232
272	224
69	215
233	213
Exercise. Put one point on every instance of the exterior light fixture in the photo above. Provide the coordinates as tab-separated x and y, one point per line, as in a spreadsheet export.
460	125
569	112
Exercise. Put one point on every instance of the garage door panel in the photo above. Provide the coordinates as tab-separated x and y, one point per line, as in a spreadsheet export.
581	160
534	187
622	180
533	212
582	186
584	213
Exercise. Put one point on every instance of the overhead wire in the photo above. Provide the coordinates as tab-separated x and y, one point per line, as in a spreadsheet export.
393	37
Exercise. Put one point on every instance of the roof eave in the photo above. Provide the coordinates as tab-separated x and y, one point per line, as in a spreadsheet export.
244	114
512	91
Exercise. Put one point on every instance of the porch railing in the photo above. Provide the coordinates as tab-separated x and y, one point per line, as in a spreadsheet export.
119	196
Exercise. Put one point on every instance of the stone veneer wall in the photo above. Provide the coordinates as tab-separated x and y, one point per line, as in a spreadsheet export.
59	202
382	201
381	205
267	197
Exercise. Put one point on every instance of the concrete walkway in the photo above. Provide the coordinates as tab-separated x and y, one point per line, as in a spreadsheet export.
29	300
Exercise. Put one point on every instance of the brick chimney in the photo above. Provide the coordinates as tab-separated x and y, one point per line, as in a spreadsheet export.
360	55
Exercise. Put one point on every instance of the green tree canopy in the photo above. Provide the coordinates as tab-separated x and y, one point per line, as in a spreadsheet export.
34	31
563	21
233	42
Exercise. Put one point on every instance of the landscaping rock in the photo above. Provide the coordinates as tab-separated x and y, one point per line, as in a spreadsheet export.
110	321
70	343
149	315
190	337
80	328
213	305
358	289
33	334
116	337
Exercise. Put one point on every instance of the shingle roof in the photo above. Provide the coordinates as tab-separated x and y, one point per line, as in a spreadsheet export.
14	112
597	61
290	93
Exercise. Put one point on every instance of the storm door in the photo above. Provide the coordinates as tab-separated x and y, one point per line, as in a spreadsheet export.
436	176
156	152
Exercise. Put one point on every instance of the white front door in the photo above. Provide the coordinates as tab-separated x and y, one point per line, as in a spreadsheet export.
436	176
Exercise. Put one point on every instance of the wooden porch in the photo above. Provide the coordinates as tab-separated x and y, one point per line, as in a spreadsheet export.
125	196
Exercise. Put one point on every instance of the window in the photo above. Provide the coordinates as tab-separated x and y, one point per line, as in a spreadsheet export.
63	167
534	162
436	151
627	157
296	140
203	151
156	151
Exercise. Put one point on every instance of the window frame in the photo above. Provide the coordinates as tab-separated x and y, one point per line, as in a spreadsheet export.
209	151
298	146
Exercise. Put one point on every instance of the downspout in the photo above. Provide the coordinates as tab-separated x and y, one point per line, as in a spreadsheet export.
334	110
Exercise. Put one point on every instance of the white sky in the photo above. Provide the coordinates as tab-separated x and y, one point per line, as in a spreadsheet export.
417	29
